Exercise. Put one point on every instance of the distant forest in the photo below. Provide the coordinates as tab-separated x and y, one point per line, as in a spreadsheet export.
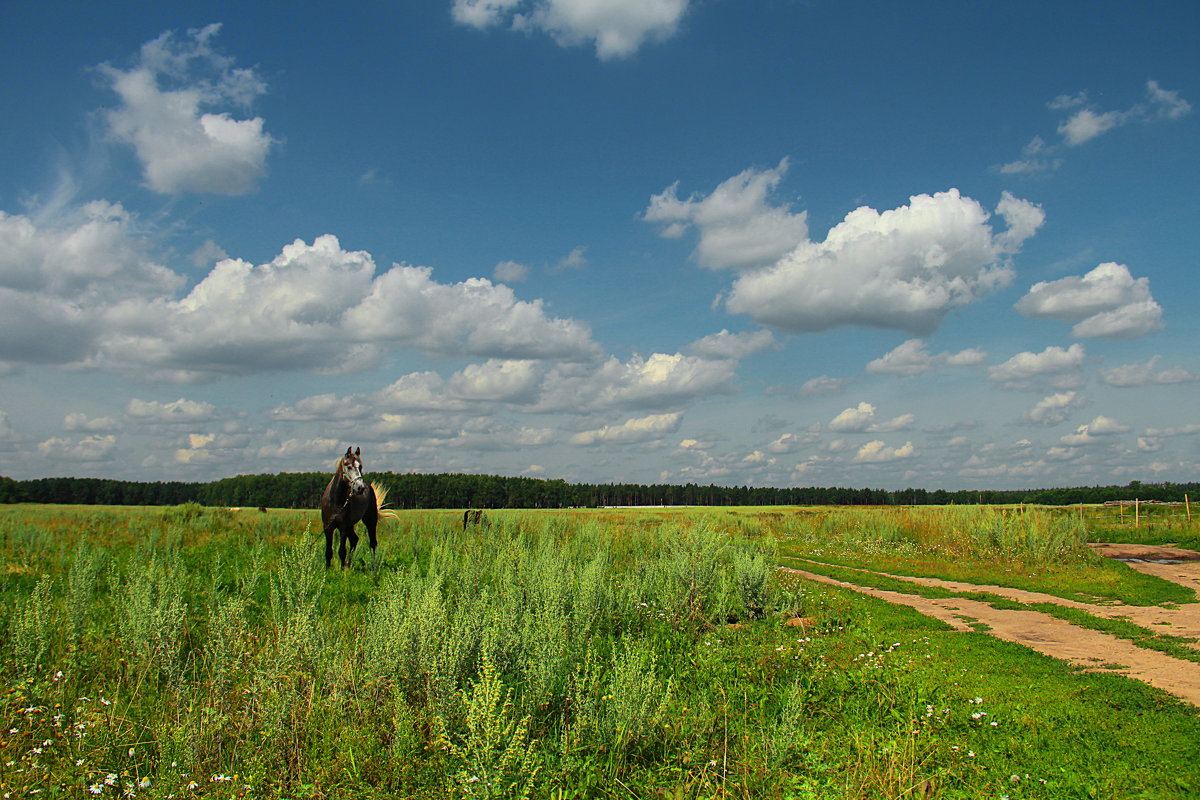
303	490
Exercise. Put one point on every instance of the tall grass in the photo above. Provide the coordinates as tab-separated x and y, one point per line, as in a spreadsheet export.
195	653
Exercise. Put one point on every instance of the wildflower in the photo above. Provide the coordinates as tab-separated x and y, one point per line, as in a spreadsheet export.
105	702
79	762
131	752
193	785
111	779
144	783
221	778
96	788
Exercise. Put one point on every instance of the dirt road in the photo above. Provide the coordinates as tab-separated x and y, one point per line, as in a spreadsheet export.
1091	650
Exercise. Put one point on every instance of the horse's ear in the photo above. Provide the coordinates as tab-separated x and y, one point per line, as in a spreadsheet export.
357	451
347	451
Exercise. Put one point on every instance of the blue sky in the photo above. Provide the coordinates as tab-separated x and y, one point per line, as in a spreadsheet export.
777	243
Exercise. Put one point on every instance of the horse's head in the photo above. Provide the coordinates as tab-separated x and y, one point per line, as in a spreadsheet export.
351	470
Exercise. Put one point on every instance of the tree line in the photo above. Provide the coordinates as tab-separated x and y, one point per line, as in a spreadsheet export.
414	491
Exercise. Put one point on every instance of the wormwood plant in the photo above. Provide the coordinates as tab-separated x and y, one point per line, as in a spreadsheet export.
31	627
493	756
152	622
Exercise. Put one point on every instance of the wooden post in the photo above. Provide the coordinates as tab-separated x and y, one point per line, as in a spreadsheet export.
1122	507
1137	512
1188	505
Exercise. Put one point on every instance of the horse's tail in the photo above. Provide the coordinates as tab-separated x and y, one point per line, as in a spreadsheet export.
381	503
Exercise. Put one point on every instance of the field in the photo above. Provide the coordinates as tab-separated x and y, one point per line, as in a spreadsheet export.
196	652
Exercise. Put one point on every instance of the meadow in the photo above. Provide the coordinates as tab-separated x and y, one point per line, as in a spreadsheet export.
205	652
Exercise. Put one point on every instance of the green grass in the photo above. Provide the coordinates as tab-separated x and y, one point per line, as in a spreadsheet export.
589	654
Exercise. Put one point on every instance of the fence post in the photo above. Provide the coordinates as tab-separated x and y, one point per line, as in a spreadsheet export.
1188	504
1137	512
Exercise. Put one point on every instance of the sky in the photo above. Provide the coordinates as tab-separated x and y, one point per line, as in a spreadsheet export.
779	243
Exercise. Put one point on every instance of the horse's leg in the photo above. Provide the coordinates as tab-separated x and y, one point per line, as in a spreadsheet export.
329	526
343	536
354	542
370	521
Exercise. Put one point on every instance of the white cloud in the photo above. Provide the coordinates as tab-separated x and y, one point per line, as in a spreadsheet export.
58	279
656	382
320	308
1053	361
1100	427
738	227
1035	157
905	268
1087	123
1108	301
576	259
182	139
510	272
641	429
876	452
88	449
854	420
823	384
78	421
497	381
734	345
913	358
181	410
1054	408
1146	374
616	27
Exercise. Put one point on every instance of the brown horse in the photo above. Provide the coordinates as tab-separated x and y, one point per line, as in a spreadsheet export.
347	500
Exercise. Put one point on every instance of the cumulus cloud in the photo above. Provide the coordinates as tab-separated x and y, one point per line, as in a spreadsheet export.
77	421
318	307
1100	427
1058	364
82	289
641	429
92	448
877	452
616	27
659	381
905	268
853	420
181	410
173	112
1146	374
58	279
738	226
913	358
1108	302
1054	408
861	419
736	346
510	272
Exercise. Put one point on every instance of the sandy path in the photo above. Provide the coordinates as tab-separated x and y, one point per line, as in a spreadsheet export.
1091	650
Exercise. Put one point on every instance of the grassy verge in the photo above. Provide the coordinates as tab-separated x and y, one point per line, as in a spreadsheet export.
1175	646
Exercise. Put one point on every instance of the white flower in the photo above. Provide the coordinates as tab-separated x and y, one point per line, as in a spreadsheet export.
96	788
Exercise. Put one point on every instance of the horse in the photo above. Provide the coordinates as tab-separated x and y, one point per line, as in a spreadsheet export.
474	516
347	500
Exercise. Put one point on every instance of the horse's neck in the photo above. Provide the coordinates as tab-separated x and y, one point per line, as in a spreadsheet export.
337	486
